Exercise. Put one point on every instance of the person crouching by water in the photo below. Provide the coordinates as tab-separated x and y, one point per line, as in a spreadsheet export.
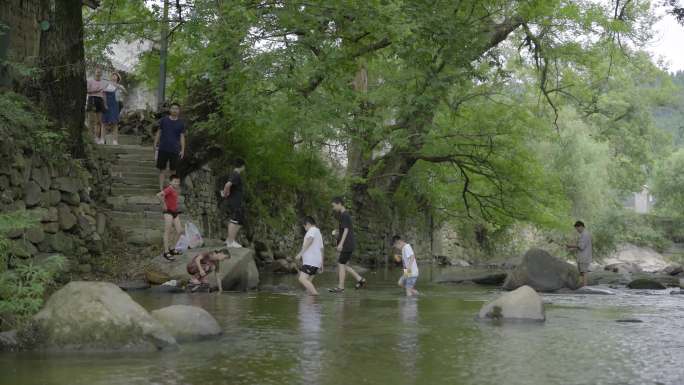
311	255
202	264
584	251
408	258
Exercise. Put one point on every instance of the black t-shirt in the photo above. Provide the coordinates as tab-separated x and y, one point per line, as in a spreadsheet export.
346	223
236	193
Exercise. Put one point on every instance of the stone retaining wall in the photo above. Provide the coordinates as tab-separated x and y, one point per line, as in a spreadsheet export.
60	195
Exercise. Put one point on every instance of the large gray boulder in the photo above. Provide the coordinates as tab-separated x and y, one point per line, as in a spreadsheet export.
94	316
187	323
476	275
542	272
237	273
521	304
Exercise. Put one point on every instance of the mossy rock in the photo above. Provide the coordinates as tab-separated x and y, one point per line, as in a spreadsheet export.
156	277
646	284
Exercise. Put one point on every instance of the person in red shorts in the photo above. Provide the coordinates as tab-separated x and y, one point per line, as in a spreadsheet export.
169	200
202	264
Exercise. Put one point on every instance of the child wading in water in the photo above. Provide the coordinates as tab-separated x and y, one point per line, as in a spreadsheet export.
169	199
408	258
202	264
311	254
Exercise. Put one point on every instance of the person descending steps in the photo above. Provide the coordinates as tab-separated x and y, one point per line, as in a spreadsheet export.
169	200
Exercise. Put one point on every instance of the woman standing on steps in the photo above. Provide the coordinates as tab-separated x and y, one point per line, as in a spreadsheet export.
110	117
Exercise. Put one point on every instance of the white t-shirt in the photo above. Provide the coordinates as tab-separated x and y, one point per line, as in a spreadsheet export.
313	256
406	253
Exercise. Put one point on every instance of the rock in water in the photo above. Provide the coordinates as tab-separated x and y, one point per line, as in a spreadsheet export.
94	316
187	323
479	276
644	283
521	304
542	272
237	273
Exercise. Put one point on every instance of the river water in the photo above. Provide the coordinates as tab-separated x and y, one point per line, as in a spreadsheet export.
376	336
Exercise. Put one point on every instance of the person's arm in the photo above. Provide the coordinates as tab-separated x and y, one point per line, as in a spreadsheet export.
218	280
307	243
342	239
322	258
182	151
582	243
199	267
410	263
226	189
160	196
156	137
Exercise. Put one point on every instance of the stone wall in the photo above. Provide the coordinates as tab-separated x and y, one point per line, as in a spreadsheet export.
57	194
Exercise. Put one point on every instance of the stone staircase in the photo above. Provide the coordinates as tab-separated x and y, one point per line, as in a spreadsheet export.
134	208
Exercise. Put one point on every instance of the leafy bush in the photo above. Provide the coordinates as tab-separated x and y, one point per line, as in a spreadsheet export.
22	288
622	226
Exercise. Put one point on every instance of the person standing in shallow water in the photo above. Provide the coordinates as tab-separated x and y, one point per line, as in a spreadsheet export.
311	255
408	258
584	251
345	246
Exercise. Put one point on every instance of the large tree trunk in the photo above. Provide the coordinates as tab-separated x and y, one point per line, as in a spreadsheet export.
61	87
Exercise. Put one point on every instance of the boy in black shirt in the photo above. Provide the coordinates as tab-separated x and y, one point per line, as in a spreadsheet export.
233	193
345	246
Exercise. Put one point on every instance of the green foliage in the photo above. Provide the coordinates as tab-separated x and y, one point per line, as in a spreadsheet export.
622	226
668	185
487	112
22	288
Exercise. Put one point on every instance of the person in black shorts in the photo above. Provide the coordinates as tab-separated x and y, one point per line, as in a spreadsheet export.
345	246
234	203
169	143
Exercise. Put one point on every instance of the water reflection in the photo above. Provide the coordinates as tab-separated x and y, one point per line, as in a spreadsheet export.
408	345
310	354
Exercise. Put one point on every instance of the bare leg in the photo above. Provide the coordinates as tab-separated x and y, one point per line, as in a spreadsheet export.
341	271
179	229
168	227
351	271
306	282
162	178
233	229
115	133
99	126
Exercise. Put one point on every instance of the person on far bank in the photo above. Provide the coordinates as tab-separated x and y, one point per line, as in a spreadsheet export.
311	255
234	195
584	251
169	143
408	258
345	246
96	105
169	200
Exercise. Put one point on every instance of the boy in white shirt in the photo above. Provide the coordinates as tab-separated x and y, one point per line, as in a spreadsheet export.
408	258
311	254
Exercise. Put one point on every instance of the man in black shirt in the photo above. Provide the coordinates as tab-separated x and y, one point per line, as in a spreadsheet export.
233	194
345	246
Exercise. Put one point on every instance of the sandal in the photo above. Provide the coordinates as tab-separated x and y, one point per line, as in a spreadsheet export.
336	290
168	256
360	283
175	252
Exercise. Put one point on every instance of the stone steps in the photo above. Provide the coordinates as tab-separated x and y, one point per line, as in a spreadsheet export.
135	190
134	208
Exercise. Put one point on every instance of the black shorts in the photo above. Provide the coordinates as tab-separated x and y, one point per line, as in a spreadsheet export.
309	270
95	104
233	212
237	216
164	157
174	214
344	257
